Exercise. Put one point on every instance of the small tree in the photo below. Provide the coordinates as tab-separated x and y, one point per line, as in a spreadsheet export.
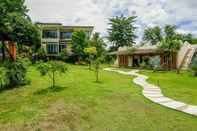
91	52
97	64
99	44
52	69
194	65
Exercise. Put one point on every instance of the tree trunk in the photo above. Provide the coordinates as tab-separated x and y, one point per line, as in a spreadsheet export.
53	79
97	76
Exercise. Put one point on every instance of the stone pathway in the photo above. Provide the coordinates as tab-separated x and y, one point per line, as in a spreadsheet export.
154	93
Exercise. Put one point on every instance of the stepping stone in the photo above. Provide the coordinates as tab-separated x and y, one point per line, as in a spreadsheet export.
151	89
162	100
191	110
151	92
173	104
153	95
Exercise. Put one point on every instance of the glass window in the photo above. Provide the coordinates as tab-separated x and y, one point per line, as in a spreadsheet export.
52	48
65	35
49	34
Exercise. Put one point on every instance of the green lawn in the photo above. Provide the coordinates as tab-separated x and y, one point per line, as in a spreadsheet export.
182	87
115	104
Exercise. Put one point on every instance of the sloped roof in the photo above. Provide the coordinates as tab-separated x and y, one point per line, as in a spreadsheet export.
138	50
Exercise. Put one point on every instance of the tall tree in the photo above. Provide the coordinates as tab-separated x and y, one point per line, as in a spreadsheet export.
15	25
121	32
79	43
153	35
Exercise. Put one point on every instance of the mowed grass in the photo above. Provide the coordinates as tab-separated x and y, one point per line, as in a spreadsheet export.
114	104
181	87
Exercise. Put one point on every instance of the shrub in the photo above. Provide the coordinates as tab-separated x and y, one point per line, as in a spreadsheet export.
63	55
194	65
13	73
16	72
143	65
41	53
3	79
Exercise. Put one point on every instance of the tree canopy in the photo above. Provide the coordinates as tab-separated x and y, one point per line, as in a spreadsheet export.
121	31
98	43
79	43
153	35
15	25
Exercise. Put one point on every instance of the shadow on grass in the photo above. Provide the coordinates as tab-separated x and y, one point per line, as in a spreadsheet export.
50	90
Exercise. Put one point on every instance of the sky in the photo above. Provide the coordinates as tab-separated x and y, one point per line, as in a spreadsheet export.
97	12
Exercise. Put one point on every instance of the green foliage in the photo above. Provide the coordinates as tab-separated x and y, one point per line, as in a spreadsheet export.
155	63
99	54
121	31
153	35
97	64
16	72
64	54
41	53
91	52
194	65
3	79
79	43
99	44
16	26
52	69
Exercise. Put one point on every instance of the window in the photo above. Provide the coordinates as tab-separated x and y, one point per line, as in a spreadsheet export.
49	34
52	48
65	35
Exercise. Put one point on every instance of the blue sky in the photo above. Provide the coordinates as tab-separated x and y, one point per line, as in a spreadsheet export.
96	12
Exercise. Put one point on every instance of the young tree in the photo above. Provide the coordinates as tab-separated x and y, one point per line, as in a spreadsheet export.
99	44
79	43
97	63
194	65
121	32
52	69
153	35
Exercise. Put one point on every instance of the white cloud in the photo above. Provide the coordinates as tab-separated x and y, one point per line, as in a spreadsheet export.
97	12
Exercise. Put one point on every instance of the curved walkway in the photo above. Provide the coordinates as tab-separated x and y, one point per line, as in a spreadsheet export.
154	93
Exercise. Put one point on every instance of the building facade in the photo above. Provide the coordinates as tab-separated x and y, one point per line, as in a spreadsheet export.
55	36
180	59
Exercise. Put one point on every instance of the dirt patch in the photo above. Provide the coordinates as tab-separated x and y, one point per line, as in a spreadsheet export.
57	107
